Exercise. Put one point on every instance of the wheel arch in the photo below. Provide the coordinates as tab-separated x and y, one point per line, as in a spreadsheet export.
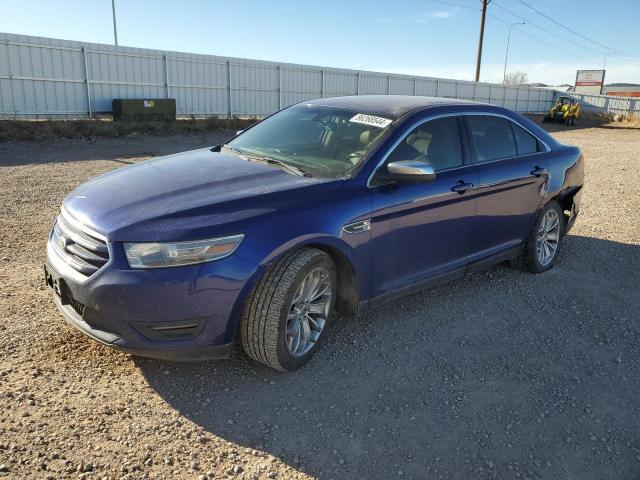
347	298
343	256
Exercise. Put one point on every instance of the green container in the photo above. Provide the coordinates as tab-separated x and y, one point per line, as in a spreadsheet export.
144	109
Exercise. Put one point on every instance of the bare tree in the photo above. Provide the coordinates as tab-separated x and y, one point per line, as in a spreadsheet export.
516	78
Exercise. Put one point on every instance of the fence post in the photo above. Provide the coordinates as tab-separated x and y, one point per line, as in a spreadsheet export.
322	83
457	88
166	75
279	87
13	93
357	83
230	109
388	84
437	86
414	86
86	80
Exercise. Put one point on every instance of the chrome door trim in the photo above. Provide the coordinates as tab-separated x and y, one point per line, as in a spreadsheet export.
357	227
417	123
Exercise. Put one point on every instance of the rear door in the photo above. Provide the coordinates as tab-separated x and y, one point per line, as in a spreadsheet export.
512	183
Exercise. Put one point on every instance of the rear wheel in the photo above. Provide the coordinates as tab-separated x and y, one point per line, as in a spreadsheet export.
543	244
286	314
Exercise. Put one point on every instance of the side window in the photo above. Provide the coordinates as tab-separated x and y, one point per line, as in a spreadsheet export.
436	142
525	142
493	137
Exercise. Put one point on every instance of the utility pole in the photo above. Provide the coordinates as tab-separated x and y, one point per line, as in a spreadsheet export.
506	55
484	14
115	30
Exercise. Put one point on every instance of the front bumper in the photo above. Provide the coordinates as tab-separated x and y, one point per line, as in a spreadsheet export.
181	313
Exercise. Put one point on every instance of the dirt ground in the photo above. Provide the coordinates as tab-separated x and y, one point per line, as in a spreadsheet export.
501	375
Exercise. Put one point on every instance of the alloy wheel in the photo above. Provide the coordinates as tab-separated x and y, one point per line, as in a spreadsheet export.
308	312
548	237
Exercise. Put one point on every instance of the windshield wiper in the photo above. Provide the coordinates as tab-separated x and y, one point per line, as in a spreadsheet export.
264	159
283	165
233	150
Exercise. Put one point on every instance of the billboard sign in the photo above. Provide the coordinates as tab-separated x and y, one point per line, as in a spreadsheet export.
589	81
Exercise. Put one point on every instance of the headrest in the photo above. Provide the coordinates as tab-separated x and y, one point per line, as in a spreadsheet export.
366	137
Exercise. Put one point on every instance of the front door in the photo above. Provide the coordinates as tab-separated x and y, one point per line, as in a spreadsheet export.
420	232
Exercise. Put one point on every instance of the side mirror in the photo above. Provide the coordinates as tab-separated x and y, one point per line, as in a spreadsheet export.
411	171
239	132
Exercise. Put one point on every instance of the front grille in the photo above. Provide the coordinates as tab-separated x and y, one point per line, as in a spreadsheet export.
80	248
77	306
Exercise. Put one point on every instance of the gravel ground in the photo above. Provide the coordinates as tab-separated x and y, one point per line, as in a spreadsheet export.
501	375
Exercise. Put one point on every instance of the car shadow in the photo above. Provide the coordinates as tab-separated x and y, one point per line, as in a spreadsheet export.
447	383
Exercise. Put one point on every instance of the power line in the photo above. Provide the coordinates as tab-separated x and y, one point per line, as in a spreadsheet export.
543	41
573	31
547	30
530	35
451	4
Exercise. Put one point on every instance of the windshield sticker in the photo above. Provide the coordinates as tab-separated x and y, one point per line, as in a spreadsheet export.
371	120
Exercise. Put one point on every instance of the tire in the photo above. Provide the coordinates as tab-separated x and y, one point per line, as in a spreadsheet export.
530	258
270	309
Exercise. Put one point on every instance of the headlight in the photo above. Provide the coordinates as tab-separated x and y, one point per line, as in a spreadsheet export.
157	255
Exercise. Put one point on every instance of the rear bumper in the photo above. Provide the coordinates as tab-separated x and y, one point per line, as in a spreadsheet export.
575	210
184	313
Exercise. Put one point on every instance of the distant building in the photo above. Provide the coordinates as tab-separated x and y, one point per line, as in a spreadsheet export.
622	90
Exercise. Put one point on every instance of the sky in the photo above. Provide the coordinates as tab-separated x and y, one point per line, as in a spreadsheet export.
418	37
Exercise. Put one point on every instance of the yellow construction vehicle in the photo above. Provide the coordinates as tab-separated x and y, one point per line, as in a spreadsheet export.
566	110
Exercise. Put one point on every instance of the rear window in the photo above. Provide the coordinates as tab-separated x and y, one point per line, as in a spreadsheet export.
493	137
525	142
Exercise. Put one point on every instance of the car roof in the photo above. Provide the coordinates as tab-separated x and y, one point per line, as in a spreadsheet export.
387	105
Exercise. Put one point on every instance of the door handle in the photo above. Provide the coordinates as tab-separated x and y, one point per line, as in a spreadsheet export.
461	187
539	171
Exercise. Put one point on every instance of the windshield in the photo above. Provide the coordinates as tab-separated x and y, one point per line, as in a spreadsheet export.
320	142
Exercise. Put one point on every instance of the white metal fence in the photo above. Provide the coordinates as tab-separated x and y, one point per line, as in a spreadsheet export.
50	78
607	103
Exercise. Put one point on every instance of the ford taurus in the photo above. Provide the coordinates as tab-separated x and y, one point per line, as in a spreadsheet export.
318	212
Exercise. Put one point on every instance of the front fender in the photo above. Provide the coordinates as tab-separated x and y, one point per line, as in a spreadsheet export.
318	223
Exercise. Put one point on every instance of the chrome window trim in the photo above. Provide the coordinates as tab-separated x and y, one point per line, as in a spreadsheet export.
417	123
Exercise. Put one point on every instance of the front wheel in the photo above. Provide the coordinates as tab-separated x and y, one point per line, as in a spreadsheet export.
287	312
543	244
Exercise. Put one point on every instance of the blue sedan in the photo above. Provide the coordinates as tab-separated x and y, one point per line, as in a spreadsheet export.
327	207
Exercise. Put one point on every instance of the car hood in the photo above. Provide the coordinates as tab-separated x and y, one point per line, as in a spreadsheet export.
190	195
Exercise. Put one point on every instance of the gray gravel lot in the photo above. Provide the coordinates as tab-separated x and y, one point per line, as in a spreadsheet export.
501	375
